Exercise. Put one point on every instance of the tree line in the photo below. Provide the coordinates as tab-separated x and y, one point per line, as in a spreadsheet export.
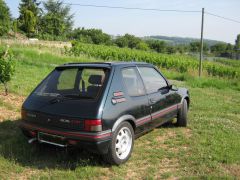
52	20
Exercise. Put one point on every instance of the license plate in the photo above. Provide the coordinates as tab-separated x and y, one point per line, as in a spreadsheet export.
52	139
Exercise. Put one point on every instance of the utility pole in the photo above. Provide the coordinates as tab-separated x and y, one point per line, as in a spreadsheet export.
201	48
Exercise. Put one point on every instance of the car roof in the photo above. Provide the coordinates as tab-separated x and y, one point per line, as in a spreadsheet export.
102	64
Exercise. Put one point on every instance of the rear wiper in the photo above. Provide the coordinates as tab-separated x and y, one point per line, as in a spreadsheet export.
65	97
77	96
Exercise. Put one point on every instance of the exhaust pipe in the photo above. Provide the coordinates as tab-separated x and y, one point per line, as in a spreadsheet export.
32	140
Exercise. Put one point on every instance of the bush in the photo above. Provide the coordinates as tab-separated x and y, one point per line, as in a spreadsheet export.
7	67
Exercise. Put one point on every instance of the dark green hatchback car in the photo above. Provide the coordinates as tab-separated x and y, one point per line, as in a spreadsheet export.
102	107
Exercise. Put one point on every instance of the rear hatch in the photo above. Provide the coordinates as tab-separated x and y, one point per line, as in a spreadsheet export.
67	97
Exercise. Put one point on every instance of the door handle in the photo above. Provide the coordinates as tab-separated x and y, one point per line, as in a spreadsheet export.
153	101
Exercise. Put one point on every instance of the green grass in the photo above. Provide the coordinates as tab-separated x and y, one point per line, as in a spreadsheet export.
207	149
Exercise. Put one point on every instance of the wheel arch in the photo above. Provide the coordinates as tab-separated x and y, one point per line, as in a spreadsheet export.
127	118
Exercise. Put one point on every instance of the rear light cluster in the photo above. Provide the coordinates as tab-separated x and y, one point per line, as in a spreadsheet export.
33	133
93	125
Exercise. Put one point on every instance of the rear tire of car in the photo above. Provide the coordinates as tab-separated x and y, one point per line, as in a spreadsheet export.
26	133
182	115
121	145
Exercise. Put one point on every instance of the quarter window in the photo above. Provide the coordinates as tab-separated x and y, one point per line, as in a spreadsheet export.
152	79
132	82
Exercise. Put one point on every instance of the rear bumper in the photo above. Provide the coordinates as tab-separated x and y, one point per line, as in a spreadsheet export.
94	142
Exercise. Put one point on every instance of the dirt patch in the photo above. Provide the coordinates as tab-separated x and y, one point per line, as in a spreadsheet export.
6	114
233	169
168	135
11	106
26	174
137	171
13	100
164	166
187	132
167	166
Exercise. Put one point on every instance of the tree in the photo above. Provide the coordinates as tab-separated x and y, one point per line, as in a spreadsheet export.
228	51
95	36
7	67
128	40
142	46
5	19
15	26
29	16
218	49
171	49
121	42
159	46
237	43
56	20
237	47
195	47
132	40
30	22
182	48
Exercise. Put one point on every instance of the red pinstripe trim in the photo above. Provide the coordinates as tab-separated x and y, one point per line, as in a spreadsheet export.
157	114
143	120
164	111
67	133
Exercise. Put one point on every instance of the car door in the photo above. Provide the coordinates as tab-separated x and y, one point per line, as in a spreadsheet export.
137	98
162	99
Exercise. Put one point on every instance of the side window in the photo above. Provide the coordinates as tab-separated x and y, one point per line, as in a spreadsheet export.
132	82
152	79
92	81
91	77
67	79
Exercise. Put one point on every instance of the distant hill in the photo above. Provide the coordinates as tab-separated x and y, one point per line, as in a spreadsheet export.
181	40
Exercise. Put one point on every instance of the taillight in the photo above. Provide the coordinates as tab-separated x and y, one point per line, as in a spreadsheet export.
93	125
72	142
33	133
23	114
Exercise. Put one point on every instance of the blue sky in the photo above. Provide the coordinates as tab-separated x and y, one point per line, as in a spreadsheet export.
144	23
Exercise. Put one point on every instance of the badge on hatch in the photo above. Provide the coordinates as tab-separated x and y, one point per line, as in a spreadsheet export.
65	120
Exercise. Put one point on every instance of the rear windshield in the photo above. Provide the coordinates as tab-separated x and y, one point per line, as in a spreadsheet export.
74	82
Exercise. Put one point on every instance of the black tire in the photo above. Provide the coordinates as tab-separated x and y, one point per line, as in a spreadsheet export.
182	115
26	133
111	157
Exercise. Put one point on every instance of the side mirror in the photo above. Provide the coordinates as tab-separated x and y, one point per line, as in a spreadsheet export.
173	87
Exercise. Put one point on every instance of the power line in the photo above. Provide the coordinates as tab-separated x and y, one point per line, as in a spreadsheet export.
228	19
132	8
151	9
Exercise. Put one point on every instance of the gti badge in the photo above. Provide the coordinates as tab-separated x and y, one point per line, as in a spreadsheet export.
31	115
65	120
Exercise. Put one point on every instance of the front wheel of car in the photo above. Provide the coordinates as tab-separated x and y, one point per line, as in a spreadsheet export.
182	114
121	145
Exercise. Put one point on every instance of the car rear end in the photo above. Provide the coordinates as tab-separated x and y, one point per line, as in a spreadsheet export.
66	108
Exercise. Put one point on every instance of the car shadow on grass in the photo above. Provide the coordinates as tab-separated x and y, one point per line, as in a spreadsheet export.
169	124
14	147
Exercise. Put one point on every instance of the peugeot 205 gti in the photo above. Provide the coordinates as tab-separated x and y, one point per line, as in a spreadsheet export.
102	107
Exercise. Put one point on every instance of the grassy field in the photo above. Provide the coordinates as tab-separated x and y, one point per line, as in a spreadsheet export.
207	149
